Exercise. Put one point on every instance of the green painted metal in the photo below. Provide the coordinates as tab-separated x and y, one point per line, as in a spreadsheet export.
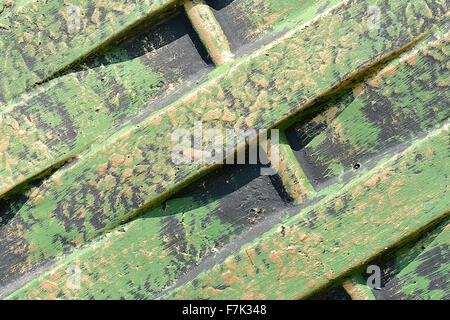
304	257
275	17
357	288
417	280
294	180
416	269
101	211
37	42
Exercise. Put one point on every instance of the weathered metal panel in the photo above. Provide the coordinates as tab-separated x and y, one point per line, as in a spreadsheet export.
39	39
85	160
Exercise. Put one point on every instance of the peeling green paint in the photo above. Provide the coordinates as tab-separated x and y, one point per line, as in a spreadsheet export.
121	170
37	42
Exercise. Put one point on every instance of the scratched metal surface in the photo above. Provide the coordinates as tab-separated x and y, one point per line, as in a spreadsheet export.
86	178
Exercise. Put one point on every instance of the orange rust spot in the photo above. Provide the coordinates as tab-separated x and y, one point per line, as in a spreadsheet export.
230	278
48	285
